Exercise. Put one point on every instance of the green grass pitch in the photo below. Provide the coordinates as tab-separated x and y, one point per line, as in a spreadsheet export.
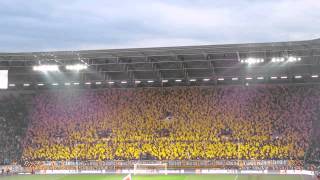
157	177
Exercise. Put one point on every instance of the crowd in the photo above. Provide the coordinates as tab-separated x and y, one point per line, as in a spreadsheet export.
313	153
227	122
13	124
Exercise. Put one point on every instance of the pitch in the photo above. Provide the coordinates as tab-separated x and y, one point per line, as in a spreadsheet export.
158	177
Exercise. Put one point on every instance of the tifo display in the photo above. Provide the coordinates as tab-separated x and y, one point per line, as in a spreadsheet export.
229	122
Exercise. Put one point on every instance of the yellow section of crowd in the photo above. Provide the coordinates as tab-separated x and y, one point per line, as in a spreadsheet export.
262	122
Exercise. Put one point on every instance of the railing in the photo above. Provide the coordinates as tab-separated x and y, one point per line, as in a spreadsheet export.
172	164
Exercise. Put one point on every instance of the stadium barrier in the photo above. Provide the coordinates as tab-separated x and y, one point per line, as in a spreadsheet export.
12	168
176	164
182	171
174	167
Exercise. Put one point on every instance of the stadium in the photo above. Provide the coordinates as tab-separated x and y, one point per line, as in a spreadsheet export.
234	111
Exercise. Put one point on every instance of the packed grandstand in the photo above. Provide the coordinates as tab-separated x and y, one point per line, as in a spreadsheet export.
232	122
263	122
257	125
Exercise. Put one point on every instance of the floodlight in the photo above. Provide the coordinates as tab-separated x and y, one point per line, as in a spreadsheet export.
235	79
206	79
76	67
164	81
192	80
291	59
46	68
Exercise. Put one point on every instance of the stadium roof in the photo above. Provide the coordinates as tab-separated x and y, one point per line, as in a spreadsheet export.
168	63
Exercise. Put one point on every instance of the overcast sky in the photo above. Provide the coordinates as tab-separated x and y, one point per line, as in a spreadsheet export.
30	25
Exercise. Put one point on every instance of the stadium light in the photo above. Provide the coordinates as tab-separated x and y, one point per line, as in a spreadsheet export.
234	79
87	83
298	77
206	79
123	82
178	80
248	78
260	78
315	76
12	85
98	83
76	83
137	82
150	81
110	82
67	84
293	59
251	60
273	77
283	59
76	67
40	84
284	77
55	84
192	80
277	59
220	79
26	84
164	81
46	68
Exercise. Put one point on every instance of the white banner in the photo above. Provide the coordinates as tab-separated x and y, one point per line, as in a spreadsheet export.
3	79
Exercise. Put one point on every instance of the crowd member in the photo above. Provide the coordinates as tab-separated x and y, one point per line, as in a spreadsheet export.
227	122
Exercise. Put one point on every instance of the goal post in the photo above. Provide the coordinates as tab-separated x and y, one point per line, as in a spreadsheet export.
140	168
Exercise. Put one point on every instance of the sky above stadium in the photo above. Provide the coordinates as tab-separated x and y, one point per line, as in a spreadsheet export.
93	24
